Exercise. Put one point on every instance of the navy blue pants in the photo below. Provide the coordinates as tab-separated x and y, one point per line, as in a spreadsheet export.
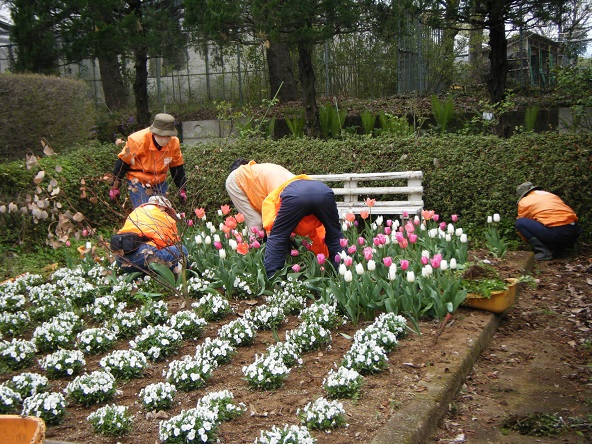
555	238
298	200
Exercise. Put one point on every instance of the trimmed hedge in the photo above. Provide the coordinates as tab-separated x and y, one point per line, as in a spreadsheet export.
36	106
472	176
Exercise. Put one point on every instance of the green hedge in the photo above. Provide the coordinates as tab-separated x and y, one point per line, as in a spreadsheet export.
472	176
36	106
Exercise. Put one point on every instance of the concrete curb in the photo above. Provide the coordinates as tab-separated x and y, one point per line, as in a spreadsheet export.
418	420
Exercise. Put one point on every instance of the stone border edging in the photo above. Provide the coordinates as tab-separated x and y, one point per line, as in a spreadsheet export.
418	420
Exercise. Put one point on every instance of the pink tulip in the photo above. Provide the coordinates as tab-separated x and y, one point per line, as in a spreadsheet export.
337	258
454	217
435	262
295	268
321	258
416	220
381	239
376	241
409	228
412	238
361	240
405	214
424	260
84	232
67	243
399	237
389	222
436	217
368	253
255	244
182	215
348	261
404	243
190	223
387	261
442	226
387	230
404	264
294	253
352	249
218	245
343	242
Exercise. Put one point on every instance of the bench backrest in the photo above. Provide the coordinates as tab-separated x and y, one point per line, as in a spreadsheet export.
351	189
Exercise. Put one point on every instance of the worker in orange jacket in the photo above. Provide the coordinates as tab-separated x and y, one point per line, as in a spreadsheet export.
545	221
156	223
298	205
145	160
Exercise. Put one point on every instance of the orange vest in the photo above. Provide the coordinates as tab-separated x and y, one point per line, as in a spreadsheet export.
546	208
309	226
148	165
150	221
257	180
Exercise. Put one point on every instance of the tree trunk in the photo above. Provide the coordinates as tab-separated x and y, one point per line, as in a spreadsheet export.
141	86
114	90
309	99
281	76
498	55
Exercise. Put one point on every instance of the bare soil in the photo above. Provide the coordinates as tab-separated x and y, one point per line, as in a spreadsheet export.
533	382
541	341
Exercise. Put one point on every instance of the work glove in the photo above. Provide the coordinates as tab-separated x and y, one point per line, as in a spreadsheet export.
113	194
183	196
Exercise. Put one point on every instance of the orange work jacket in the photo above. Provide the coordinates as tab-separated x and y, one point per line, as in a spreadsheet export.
546	208
257	180
309	226
152	222
148	165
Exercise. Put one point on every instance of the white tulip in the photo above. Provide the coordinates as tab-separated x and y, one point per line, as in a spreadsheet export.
222	253
450	229
489	219
444	264
342	269
359	269
463	238
459	232
198	239
371	265
348	277
496	217
392	273
410	276
216	238
208	240
379	220
233	244
453	264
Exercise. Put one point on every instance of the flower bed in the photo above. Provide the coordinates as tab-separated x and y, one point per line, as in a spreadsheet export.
380	272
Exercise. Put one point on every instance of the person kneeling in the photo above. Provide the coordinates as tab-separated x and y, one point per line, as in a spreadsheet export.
149	235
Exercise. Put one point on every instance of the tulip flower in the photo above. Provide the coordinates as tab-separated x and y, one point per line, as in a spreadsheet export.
350	217
412	238
424	260
84	232
404	243
230	222
387	261
294	253
427	214
379	220
416	220
361	240
218	245
463	238
427	271
348	277
387	230
454	218
242	248
295	268
436	217
240	218
255	244
321	258
200	213
364	214
435	262
409	228
444	265
190	223
404	264
410	277
225	209
348	261
489	219
442	226
371	265
233	244
222	254
450	229
453	264
370	203
198	239
368	253
405	214
359	269
342	269
208	240
67	243
352	249
496	217
392	272
458	232
343	242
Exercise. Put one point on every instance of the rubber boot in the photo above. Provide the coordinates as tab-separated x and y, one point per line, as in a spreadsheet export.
541	252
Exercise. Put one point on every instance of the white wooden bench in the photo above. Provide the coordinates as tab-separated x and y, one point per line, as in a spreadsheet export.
351	194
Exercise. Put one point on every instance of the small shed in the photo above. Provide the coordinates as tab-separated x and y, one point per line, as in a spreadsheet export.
532	59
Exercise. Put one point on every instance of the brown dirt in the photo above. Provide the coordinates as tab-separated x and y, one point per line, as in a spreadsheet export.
542	337
538	363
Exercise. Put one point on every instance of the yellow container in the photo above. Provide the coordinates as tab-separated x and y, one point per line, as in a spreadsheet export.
15	429
499	301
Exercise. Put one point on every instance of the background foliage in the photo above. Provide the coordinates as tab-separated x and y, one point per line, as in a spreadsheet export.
36	106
